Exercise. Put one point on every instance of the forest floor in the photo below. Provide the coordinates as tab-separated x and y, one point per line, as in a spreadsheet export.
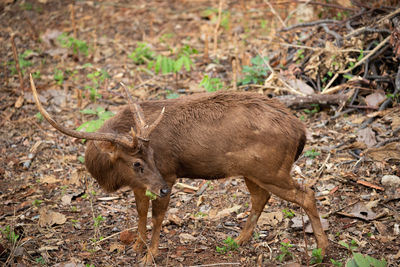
53	213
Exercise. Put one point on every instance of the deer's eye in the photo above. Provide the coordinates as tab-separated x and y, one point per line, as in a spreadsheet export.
138	166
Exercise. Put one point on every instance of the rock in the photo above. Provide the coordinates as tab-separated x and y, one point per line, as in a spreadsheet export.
390	180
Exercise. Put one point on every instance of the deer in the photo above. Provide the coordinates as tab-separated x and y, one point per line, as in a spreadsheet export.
205	136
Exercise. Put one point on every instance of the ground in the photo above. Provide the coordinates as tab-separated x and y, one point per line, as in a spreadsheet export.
53	211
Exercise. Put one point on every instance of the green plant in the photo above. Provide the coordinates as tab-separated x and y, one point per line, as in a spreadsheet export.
36	75
97	77
256	73
37	202
97	221
288	213
352	246
211	84
39	116
315	109
58	76
316	256
40	260
300	55
312	153
9	234
200	214
171	95
70	42
360	260
94	125
23	62
230	245
150	195
81	159
285	253
213	14
336	263
142	54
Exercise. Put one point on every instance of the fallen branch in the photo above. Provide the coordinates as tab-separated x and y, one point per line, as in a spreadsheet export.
295	101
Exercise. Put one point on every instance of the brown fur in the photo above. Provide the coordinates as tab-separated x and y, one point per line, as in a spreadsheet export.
208	136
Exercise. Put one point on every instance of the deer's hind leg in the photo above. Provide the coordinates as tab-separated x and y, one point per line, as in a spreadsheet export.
259	197
287	189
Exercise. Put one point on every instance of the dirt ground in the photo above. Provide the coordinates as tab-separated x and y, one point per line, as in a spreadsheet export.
62	216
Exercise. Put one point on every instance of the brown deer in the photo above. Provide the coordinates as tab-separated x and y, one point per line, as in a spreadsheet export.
208	136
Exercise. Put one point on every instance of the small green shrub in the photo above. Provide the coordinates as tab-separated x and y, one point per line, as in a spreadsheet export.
256	73
70	42
230	245
9	234
312	153
285	253
94	125
211	84
142	54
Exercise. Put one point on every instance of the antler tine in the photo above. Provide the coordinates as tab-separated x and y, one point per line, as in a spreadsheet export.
123	141
136	111
154	124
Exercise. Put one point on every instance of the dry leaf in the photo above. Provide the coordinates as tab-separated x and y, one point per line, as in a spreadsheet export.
49	218
298	223
116	246
186	238
50	179
270	218
301	86
66	199
367	136
224	212
375	99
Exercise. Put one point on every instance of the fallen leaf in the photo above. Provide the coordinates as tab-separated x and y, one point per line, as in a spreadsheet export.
375	99
48	248
270	218
298	223
49	179
116	246
359	210
66	199
301	86
49	218
224	212
186	238
367	136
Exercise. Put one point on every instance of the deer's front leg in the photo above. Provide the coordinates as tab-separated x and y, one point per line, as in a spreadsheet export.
159	208
142	206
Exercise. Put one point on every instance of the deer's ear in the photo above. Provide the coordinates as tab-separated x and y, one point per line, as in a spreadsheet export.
108	148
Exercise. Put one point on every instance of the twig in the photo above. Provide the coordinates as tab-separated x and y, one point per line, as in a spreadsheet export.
15	54
339	39
309	24
217	27
368	30
373	51
216	264
296	9
394	13
319	4
72	17
275	13
290	89
115	234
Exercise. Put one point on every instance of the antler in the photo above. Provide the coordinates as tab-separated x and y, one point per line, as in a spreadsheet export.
113	138
143	130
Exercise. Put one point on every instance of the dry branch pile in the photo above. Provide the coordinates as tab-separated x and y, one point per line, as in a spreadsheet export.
356	56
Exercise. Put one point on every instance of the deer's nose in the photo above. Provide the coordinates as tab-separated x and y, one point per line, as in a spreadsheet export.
164	191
